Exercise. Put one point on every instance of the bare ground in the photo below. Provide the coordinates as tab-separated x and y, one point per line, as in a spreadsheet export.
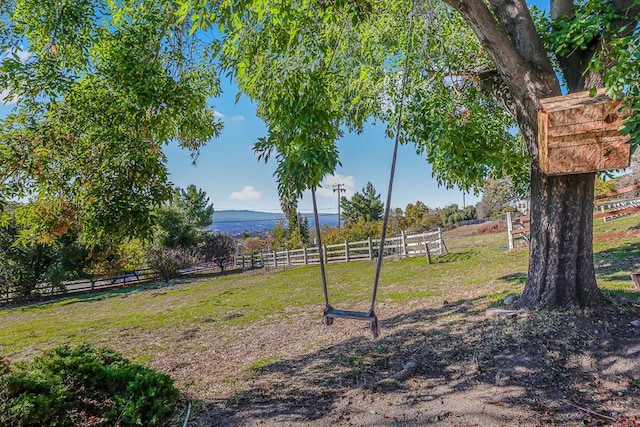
538	368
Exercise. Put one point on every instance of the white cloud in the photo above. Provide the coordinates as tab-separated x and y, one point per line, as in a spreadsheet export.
247	193
22	55
347	182
222	116
4	98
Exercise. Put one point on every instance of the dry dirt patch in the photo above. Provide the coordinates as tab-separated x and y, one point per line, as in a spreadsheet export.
571	368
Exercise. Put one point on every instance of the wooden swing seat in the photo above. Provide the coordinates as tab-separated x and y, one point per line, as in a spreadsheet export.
331	313
355	315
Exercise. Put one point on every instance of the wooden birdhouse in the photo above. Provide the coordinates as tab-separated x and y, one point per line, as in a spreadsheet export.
578	133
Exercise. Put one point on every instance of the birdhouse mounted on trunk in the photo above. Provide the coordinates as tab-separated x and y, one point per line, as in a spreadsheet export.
578	133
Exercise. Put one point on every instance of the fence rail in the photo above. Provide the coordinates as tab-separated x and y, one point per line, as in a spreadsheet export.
404	245
9	294
518	228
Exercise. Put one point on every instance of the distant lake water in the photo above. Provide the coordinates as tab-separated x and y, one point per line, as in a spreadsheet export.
259	227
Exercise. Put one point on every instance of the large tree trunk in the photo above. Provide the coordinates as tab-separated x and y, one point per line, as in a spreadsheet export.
561	272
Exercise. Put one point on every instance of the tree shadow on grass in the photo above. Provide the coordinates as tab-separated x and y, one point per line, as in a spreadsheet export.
519	278
458	256
556	362
625	258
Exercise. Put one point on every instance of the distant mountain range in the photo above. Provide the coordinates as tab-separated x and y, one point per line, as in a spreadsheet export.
237	222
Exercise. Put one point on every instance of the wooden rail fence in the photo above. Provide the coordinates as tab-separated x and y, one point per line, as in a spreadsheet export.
140	277
518	228
430	243
405	245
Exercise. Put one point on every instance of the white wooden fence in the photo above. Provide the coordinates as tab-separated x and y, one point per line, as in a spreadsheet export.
518	228
405	245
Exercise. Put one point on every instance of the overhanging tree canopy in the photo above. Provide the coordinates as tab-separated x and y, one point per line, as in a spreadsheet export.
477	69
99	88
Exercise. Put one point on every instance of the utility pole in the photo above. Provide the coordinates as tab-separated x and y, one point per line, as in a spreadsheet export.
339	188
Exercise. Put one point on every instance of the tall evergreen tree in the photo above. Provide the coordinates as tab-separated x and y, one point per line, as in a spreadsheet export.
362	206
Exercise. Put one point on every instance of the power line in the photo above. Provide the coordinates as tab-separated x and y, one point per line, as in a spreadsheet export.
339	188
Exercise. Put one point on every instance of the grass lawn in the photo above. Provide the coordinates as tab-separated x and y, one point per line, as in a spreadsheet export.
476	267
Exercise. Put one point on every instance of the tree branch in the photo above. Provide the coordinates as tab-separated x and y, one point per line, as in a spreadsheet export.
560	8
527	81
515	19
574	65
493	87
517	72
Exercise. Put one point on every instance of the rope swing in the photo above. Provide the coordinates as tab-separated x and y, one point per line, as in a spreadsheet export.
331	313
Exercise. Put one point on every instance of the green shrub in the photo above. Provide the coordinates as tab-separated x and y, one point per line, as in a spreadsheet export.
84	386
168	262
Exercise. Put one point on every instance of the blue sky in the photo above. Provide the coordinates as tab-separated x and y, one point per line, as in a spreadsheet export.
232	176
230	173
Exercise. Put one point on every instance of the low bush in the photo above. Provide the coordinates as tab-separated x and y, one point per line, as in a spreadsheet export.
83	386
492	227
168	261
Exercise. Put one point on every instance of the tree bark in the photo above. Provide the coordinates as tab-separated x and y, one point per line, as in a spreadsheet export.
561	271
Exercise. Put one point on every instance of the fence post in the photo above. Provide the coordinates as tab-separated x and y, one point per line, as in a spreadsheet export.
304	255
346	250
426	247
509	230
403	235
324	253
604	218
288	258
370	249
275	258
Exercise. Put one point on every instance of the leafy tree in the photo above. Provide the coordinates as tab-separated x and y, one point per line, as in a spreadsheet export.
115	257
104	87
173	228
452	214
253	245
603	187
195	204
353	232
218	248
293	235
362	206
475	69
496	195
419	217
24	266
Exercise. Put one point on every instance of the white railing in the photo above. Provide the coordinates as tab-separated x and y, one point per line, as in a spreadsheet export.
404	245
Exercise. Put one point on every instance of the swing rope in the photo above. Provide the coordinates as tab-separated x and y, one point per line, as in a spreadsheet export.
387	207
329	312
320	248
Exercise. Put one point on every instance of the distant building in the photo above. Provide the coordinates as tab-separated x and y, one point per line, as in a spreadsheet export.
521	205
